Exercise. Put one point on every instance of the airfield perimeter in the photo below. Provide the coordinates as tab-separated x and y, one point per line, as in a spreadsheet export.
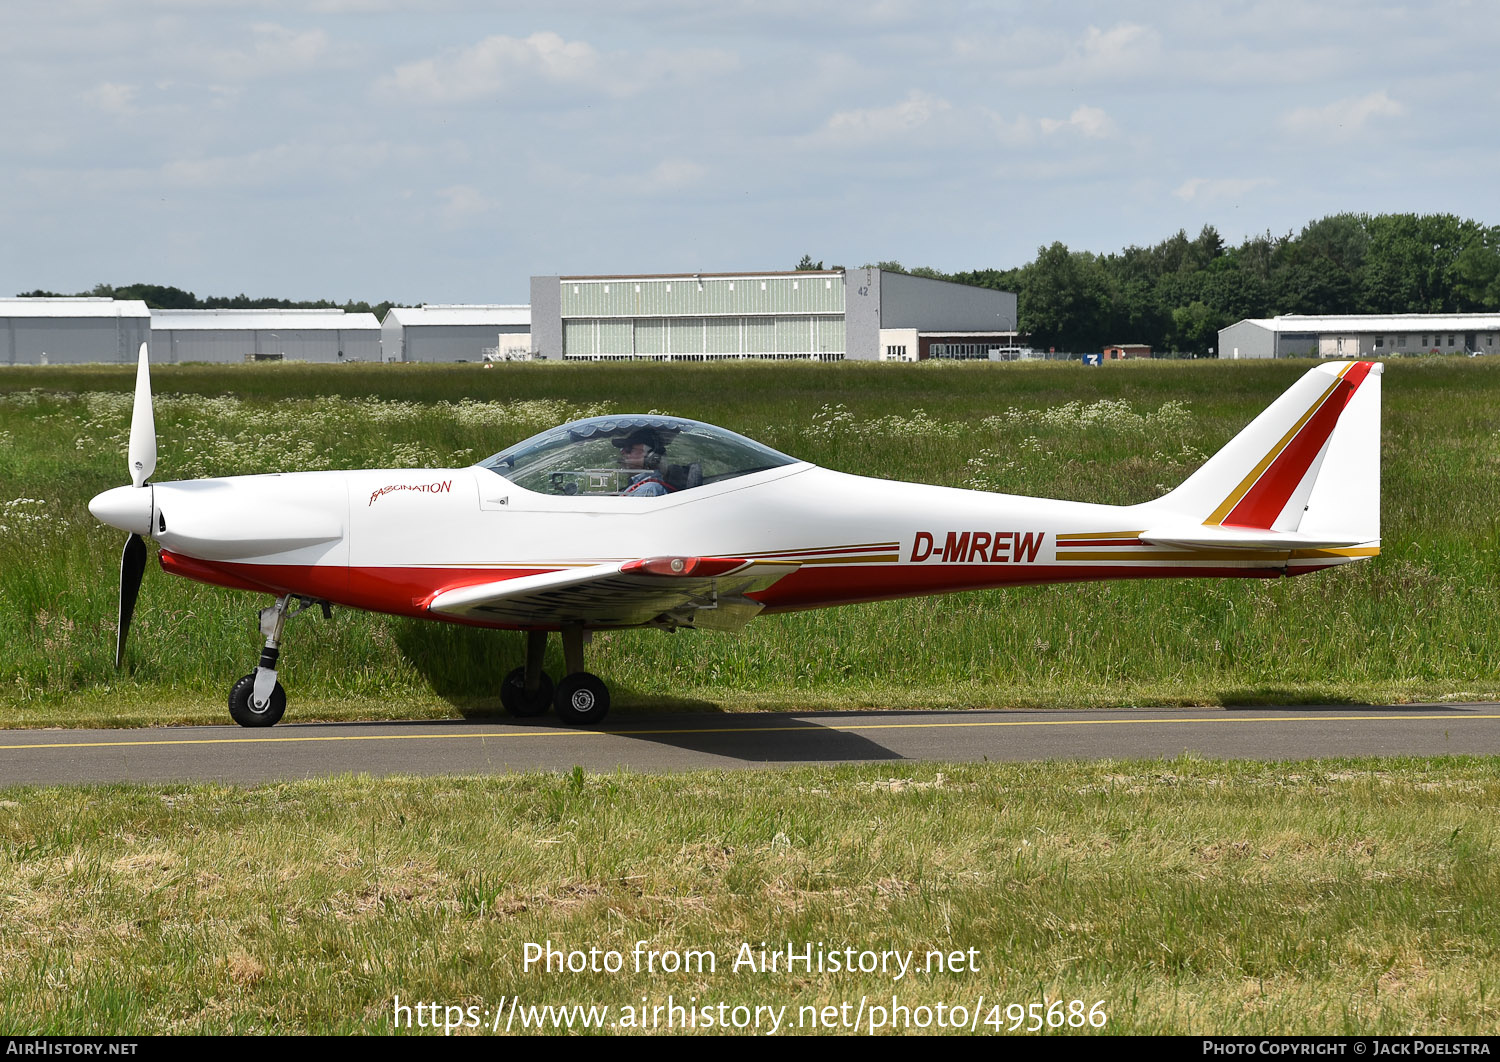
1337	895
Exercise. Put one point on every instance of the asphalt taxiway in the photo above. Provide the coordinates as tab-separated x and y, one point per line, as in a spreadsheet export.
688	742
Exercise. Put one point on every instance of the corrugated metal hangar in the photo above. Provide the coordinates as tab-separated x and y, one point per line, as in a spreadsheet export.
71	331
263	335
824	315
1360	336
456	333
864	314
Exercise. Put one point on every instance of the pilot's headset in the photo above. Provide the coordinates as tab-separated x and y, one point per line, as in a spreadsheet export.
655	448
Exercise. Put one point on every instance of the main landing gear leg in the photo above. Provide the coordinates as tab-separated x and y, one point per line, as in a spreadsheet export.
527	691
581	698
258	699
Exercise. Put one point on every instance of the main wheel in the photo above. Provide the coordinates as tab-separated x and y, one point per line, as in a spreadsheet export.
519	703
242	708
581	699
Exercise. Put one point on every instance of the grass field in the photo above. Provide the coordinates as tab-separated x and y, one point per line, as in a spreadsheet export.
1183	896
1415	624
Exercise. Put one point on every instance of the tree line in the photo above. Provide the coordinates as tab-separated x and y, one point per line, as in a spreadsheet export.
1177	294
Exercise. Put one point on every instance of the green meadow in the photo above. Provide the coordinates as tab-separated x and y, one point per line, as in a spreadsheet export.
1175	897
1415	623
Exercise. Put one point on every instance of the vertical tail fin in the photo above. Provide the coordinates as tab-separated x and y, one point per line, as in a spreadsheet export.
1306	470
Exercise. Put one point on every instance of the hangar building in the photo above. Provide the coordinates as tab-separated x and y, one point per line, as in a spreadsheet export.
455	333
69	331
823	315
1360	335
264	335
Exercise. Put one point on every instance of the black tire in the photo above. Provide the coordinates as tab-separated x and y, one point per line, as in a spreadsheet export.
244	712
581	699
516	701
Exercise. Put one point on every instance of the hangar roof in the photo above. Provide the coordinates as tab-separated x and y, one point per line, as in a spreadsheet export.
73	307
443	314
748	275
250	320
1396	322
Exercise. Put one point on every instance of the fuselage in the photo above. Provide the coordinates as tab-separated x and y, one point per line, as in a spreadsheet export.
391	540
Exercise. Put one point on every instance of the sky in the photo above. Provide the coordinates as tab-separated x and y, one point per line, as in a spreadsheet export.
447	150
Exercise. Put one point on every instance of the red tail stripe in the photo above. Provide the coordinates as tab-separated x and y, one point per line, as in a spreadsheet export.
1263	502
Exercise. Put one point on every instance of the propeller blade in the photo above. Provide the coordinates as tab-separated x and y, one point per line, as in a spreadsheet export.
132	568
142	453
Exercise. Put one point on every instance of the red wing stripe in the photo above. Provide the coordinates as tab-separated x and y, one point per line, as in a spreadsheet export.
1263	502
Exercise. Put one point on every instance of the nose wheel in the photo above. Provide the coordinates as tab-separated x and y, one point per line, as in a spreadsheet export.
243	709
258	699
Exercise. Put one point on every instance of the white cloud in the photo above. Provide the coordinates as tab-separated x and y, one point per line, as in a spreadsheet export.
1007	131
1342	119
881	123
177	52
494	65
670	175
113	98
265	167
1087	121
271	50
462	204
303	163
1122	46
1213	190
498	65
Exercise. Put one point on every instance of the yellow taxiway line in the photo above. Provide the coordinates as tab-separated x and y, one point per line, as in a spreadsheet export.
850	728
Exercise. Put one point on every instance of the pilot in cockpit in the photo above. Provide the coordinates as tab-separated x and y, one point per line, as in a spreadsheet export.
640	455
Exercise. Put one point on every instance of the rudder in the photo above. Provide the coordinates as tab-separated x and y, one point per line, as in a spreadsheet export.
1308	466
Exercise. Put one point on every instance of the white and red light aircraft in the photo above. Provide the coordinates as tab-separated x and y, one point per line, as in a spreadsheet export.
707	529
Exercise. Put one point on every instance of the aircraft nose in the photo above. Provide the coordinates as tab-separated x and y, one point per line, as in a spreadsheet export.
128	508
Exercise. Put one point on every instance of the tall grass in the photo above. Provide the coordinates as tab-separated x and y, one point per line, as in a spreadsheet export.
1413	624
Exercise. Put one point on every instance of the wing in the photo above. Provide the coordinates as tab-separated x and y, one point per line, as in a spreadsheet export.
707	592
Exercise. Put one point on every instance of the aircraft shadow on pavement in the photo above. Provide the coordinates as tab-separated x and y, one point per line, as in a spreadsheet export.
465	666
761	738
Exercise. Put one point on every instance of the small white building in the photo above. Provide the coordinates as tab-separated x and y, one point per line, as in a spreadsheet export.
456	333
263	335
71	331
1361	335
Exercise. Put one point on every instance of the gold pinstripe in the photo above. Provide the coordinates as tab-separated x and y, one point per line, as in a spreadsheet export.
1185	555
1071	538
1358	551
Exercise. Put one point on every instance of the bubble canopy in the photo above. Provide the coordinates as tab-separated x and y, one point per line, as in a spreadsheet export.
584	456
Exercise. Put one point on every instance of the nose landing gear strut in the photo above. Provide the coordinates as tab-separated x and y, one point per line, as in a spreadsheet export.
258	699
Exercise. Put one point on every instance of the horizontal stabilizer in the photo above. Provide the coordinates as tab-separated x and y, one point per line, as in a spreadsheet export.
1210	536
